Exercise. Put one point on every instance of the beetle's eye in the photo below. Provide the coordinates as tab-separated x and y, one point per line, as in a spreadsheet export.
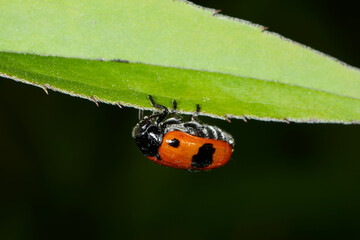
174	143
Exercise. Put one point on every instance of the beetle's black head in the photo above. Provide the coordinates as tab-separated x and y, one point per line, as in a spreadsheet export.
148	136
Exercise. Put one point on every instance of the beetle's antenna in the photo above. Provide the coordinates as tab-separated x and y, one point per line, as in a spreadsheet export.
163	114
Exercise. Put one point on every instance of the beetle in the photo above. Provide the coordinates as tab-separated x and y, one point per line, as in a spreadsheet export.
172	142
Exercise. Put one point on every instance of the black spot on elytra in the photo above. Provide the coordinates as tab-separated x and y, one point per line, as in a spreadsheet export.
174	143
204	158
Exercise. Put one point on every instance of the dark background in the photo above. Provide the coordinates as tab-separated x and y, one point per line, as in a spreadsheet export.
70	170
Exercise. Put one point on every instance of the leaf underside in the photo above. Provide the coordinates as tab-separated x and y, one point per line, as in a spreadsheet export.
121	83
175	50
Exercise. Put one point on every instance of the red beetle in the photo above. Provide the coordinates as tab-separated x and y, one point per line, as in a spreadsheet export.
186	145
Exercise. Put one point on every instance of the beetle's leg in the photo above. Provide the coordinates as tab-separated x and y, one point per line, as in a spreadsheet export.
162	115
158	115
149	118
174	110
174	105
141	114
194	117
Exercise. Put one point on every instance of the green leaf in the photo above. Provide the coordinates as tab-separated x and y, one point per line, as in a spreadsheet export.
116	82
229	66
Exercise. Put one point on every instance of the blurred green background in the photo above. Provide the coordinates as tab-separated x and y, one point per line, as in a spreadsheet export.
70	170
